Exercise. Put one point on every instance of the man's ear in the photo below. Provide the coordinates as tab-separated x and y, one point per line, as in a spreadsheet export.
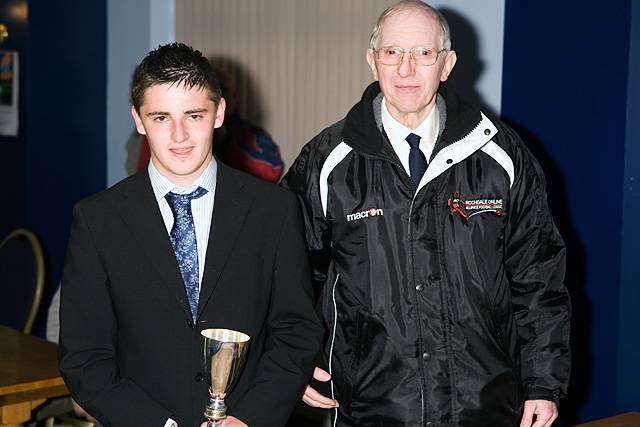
222	105
449	63
138	121
372	63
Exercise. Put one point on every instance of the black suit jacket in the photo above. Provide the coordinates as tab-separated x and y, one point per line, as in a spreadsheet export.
129	352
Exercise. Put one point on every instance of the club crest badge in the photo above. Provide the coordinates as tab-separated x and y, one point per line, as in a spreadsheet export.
470	207
456	205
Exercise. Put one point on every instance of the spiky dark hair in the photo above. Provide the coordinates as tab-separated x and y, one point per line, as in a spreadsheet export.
175	63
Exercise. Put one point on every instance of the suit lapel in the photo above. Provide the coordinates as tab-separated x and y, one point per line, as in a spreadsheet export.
139	210
229	212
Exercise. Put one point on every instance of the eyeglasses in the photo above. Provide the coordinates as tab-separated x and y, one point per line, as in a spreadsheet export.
420	55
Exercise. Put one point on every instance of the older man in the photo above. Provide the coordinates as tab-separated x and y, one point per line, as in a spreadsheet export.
429	229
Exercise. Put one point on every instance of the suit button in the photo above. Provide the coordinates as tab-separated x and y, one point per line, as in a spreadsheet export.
426	356
198	377
189	323
419	287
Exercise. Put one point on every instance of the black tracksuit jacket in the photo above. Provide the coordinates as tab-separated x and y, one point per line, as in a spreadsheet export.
444	304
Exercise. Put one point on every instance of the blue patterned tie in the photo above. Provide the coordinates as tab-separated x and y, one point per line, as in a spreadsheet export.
183	240
417	160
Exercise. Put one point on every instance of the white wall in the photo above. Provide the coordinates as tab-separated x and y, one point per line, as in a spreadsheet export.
304	60
318	72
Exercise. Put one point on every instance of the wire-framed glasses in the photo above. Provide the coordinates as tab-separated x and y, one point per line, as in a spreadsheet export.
421	55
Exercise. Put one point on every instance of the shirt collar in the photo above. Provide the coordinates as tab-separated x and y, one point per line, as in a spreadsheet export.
397	132
161	185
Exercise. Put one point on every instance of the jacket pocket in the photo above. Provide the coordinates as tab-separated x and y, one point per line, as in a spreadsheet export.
500	336
374	354
503	344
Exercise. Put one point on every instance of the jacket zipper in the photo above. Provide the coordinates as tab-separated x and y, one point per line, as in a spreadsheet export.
419	323
415	194
422	404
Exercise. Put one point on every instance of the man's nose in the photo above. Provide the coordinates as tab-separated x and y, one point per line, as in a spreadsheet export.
179	133
408	66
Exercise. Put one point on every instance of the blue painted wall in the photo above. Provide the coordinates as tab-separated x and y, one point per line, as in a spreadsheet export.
66	120
565	83
629	335
13	149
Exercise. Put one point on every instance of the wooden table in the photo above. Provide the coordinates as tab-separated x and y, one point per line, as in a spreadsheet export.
28	375
630	419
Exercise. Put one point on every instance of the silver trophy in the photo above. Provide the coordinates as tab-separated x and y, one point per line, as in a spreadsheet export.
224	351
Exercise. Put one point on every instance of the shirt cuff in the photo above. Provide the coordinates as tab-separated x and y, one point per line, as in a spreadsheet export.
170	423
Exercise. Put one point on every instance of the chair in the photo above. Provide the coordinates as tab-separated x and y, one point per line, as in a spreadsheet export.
58	412
21	279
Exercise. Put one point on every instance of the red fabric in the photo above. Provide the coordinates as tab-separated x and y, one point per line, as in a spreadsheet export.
145	152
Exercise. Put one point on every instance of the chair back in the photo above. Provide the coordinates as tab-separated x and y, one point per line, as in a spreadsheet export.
21	279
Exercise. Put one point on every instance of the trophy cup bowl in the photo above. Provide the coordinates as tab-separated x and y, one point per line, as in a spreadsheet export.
224	351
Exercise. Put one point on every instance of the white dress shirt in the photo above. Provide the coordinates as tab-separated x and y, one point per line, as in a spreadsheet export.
201	209
397	132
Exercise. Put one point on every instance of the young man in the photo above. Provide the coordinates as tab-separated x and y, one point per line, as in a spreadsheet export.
186	244
430	231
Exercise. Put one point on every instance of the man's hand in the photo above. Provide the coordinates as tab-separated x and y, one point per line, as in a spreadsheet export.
81	413
312	398
544	410
228	422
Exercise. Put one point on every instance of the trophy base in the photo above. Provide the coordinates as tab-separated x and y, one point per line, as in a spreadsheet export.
215	411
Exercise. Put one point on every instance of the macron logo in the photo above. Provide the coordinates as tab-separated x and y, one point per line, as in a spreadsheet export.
364	214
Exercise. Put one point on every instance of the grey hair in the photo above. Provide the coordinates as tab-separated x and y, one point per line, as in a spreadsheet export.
412	4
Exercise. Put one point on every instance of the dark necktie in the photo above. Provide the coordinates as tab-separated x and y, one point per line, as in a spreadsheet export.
183	240
417	160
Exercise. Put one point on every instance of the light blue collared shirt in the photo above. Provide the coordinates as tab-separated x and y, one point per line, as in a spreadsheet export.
201	208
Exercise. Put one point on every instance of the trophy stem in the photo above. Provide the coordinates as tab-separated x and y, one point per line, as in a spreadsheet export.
215	411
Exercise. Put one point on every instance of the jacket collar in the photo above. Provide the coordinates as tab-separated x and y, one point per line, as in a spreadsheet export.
139	209
363	125
232	205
